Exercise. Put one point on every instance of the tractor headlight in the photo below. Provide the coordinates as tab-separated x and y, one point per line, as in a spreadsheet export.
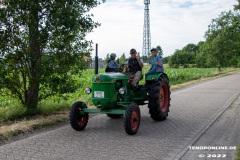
121	90
88	90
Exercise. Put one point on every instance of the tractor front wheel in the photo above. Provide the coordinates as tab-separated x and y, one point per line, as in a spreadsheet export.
132	119
159	99
78	119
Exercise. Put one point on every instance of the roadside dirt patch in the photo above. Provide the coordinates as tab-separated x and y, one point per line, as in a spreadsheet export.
12	129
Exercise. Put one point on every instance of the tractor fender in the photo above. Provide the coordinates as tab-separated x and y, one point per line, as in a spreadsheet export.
155	76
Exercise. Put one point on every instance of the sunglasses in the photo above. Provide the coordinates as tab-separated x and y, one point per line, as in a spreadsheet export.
133	53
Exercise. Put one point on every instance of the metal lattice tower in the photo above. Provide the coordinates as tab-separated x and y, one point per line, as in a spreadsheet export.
146	30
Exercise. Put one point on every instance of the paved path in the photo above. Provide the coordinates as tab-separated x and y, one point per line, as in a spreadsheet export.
224	133
192	110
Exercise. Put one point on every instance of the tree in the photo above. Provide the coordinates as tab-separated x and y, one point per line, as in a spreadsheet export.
145	59
122	59
201	56
237	7
190	48
165	59
174	60
118	61
185	56
160	51
222	40
42	44
107	59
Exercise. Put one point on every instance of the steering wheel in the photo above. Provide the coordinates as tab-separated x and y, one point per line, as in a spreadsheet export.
121	67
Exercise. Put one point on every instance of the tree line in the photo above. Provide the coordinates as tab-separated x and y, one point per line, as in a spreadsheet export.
220	49
124	59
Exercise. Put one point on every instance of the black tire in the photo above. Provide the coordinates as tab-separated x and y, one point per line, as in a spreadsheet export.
78	121
114	116
132	119
159	98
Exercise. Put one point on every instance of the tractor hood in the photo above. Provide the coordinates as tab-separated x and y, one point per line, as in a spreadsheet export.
109	77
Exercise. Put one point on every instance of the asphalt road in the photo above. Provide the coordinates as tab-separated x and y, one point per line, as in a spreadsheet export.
193	109
223	133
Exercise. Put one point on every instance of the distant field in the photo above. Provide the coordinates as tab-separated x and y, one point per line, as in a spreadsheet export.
10	108
176	75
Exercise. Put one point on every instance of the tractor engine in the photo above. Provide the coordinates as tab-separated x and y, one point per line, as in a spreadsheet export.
108	89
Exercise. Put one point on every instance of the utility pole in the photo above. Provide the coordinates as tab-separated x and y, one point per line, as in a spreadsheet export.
146	31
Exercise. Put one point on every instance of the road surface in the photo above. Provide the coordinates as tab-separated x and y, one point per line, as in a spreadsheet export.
223	133
193	109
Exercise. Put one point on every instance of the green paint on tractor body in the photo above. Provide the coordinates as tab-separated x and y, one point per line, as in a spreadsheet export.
113	95
153	76
105	89
106	96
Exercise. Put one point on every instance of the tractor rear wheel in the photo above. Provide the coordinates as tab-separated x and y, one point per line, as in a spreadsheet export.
114	116
132	119
78	119
159	98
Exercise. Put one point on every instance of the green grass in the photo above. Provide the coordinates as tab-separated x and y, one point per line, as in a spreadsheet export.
238	153
12	112
178	76
5	98
11	109
49	107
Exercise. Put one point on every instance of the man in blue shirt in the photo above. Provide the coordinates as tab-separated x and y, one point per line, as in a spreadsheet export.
157	65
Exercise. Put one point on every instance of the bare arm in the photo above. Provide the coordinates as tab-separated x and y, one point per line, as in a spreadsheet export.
139	60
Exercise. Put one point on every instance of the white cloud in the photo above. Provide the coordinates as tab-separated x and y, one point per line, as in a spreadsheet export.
173	23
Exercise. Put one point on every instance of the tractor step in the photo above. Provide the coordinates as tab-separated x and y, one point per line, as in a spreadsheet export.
104	111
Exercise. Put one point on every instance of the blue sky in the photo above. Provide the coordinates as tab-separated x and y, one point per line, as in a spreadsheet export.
173	24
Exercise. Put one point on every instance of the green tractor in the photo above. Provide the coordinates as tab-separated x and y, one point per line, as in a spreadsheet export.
113	95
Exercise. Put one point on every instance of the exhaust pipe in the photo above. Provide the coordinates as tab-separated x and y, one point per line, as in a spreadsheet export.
96	60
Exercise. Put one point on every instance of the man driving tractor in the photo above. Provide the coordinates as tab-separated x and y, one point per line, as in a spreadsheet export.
134	68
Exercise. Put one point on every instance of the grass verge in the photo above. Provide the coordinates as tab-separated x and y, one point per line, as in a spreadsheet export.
202	79
13	128
51	114
238	153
